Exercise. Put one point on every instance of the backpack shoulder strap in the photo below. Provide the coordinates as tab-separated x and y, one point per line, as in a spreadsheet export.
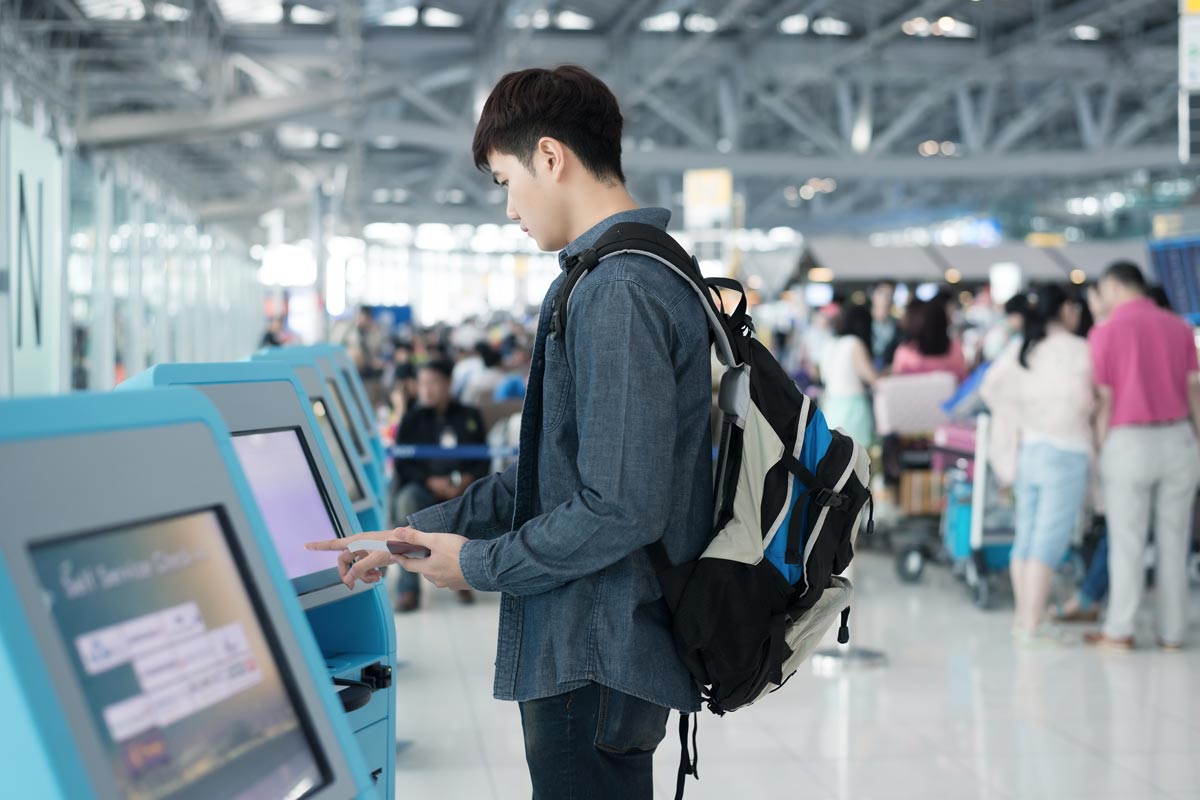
653	242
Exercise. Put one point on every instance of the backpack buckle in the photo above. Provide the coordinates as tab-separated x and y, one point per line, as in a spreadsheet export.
831	499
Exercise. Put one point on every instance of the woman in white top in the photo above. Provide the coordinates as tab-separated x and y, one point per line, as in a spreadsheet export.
847	373
1044	388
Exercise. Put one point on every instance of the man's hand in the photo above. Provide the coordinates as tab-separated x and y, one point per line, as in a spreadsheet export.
441	568
359	565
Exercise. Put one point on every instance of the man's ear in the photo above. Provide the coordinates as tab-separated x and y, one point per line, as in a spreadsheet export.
552	154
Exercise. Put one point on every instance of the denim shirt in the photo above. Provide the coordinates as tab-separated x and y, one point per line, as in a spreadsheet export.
616	426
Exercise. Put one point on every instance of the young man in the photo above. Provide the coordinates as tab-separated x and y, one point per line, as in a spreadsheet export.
616	453
438	419
1145	367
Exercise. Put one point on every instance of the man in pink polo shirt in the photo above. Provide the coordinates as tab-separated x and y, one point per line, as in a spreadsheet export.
1145	367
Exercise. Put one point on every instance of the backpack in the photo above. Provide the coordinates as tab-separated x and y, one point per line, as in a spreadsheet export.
788	496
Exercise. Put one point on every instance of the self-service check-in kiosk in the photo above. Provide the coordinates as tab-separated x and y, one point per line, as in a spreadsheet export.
151	645
334	393
291	472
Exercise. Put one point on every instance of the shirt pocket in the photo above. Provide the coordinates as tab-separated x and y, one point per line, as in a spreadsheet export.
558	386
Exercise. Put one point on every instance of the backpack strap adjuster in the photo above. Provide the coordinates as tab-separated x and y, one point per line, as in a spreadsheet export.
831	499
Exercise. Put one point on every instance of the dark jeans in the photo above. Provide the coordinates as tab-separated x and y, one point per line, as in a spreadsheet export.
593	743
409	500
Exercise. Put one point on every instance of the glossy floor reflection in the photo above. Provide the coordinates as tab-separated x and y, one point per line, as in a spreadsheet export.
957	713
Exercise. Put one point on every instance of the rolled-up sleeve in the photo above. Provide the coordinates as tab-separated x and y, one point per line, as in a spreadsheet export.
619	340
484	509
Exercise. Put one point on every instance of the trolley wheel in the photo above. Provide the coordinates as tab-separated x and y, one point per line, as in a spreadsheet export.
910	563
983	593
972	575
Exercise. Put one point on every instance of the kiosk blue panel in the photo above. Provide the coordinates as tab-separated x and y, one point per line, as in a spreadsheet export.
151	643
268	414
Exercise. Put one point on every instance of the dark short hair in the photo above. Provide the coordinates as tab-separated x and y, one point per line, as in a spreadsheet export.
1127	274
441	367
854	321
566	103
1017	304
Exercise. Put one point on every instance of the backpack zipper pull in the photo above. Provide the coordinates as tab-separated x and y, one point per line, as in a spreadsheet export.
844	631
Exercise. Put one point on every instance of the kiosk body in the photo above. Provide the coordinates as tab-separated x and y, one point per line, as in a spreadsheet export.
291	472
341	362
152	645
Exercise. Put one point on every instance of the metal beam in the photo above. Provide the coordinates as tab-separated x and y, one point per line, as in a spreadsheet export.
159	126
681	120
1047	104
681	55
803	122
1154	110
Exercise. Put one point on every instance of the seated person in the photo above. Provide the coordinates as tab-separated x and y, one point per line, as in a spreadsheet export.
436	420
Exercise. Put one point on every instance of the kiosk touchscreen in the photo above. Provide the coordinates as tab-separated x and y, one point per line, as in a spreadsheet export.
287	465
337	398
151	645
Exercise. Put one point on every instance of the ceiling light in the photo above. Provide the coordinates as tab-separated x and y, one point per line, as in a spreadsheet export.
831	26
330	141
953	275
661	23
168	12
1078	277
403	17
917	26
1085	33
570	21
949	148
820	275
960	30
435	17
306	15
947	23
399	195
130	10
540	19
297	137
928	148
456	197
700	23
256	12
794	25
1090	206
807	192
386	142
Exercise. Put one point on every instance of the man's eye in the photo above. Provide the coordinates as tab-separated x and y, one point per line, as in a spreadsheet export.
503	184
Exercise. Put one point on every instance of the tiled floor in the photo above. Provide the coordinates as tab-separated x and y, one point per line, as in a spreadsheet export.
957	713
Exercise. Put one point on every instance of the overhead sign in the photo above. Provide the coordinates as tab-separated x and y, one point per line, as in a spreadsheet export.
707	198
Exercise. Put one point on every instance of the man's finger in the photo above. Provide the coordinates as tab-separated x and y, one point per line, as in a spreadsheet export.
361	567
328	544
412	536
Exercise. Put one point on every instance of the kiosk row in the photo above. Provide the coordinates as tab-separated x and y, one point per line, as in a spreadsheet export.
166	634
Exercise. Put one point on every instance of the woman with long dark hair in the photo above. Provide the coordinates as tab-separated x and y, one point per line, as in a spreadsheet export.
847	373
1044	388
929	346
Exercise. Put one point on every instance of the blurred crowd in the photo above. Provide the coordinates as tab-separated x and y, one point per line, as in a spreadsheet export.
1092	393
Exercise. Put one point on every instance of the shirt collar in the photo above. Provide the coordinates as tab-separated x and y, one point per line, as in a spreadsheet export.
659	217
1132	307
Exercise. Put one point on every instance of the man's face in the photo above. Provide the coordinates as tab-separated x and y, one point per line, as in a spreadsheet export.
433	388
881	301
533	200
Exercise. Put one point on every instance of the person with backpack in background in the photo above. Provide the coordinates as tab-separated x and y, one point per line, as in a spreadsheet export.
1044	389
616	453
1148	381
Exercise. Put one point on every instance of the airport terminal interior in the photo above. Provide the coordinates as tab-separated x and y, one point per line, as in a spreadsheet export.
258	292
